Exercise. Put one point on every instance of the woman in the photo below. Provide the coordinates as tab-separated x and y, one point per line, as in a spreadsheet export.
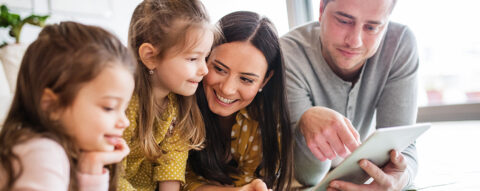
243	103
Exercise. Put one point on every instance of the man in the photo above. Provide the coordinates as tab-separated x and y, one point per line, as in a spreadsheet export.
348	74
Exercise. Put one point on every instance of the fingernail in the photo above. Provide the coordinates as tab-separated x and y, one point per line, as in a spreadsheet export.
363	163
334	184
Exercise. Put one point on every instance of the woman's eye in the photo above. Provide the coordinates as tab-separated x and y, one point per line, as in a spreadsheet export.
218	68
246	80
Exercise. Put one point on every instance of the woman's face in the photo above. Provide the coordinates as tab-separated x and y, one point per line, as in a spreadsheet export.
237	72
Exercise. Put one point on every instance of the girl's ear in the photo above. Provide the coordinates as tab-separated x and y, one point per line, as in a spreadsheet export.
266	79
148	53
49	101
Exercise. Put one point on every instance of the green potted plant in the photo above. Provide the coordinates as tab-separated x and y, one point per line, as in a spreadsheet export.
11	54
15	23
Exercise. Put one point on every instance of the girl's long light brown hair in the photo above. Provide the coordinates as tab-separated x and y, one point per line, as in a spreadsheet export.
64	57
165	24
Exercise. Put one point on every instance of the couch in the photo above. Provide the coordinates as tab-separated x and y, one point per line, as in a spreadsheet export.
10	59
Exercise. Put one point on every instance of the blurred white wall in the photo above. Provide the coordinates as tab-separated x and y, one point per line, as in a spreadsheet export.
113	15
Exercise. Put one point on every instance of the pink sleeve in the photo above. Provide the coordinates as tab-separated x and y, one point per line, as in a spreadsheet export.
45	166
93	182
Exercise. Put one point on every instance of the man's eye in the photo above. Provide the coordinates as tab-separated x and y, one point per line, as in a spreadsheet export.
342	21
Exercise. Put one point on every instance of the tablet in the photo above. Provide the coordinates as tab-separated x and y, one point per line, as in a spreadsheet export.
375	148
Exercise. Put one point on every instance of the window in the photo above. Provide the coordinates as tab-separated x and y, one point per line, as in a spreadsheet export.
275	10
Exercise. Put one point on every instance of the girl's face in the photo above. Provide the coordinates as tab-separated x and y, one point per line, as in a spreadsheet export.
96	119
237	72
181	72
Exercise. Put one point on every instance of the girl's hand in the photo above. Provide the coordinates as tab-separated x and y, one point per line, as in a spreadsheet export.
255	185
93	162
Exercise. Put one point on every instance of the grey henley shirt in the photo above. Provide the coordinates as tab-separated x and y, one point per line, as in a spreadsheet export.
385	94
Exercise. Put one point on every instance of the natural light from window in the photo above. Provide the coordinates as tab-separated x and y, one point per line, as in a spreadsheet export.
448	38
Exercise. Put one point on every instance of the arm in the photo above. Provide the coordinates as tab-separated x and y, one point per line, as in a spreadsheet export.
320	126
169	185
91	173
398	103
255	185
45	166
170	172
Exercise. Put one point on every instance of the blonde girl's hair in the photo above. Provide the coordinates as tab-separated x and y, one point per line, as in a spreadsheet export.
63	58
165	24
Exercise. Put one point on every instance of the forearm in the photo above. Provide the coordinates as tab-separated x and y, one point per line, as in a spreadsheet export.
217	188
410	154
168	185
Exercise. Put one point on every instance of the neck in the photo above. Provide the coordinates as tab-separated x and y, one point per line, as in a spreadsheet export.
227	122
350	75
160	98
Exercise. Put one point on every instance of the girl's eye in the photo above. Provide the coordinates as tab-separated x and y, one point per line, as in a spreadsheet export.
108	109
247	80
192	59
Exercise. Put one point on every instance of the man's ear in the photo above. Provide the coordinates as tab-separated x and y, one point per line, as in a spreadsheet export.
48	102
321	10
270	74
148	54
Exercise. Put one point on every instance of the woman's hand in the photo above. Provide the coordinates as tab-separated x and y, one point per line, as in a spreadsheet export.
255	185
93	162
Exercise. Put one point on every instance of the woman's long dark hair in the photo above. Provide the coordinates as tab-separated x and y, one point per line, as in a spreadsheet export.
269	108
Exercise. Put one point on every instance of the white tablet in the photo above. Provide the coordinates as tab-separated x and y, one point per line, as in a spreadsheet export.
375	148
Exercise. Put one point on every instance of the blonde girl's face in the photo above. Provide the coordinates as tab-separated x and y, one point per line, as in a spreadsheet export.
96	119
181	72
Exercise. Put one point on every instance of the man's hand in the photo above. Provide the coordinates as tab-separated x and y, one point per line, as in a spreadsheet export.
328	133
392	177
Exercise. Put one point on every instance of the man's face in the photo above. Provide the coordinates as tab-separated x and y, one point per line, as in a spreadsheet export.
351	31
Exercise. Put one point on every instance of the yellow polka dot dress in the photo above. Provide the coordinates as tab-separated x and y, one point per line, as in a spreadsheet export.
141	173
246	149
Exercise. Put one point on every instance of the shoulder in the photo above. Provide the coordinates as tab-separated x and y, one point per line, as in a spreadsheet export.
399	37
42	148
399	48
300	49
45	165
300	36
398	31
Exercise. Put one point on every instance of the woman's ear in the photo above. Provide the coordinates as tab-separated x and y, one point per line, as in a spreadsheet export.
49	101
148	53
270	74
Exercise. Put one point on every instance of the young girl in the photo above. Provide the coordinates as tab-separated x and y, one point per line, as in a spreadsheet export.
243	102
170	39
67	116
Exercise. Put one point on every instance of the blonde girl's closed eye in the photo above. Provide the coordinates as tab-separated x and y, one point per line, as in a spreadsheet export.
73	86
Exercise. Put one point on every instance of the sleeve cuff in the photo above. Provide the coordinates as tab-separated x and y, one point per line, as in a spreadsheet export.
94	182
168	173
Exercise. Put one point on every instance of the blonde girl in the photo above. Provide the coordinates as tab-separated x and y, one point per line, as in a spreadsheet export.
67	116
170	40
